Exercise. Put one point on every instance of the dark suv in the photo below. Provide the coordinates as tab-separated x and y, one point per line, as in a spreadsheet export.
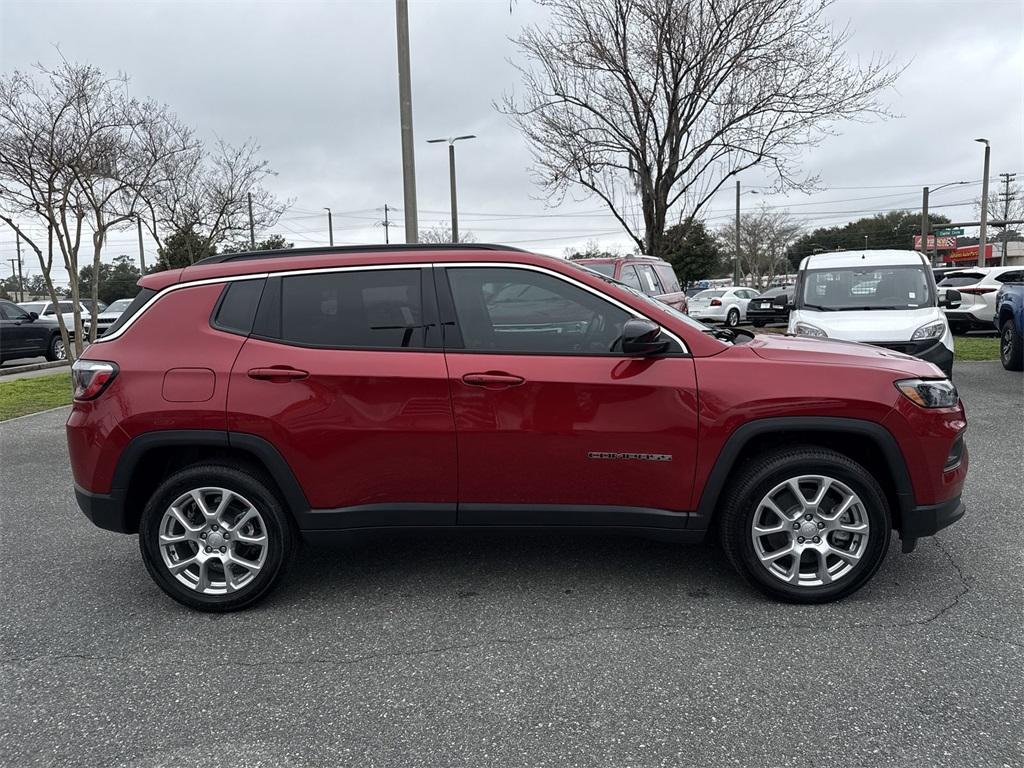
25	334
251	399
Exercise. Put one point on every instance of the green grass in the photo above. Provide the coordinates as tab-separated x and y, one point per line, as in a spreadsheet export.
24	396
976	347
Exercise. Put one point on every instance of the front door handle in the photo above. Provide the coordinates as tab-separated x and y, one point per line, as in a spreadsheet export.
277	374
492	380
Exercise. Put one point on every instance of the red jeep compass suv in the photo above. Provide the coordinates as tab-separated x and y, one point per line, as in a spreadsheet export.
252	399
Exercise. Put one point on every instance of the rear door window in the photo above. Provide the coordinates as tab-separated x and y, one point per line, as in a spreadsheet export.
648	280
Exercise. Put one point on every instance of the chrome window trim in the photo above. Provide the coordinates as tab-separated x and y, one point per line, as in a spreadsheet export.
363	267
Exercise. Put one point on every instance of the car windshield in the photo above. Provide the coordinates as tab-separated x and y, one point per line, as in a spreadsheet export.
119	306
653	302
862	288
33	306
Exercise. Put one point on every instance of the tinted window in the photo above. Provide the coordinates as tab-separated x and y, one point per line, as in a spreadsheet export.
605	268
956	279
238	306
669	281
648	280
518	310
11	311
143	296
67	306
371	308
1012	277
630	278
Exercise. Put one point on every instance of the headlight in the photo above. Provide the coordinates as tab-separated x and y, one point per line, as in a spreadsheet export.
930	331
806	329
929	393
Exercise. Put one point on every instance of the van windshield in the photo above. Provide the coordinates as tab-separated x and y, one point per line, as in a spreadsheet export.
862	288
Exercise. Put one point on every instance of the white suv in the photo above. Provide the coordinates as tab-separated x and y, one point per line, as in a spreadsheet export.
721	305
885	298
978	287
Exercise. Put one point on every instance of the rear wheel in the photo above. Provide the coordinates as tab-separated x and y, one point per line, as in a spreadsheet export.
215	538
56	349
732	319
1011	347
806	525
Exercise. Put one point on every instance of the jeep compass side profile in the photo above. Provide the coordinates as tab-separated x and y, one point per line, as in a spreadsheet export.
251	400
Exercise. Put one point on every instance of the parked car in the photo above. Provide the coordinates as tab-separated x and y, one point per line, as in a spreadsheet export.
651	276
87	306
977	287
771	306
108	316
319	391
722	305
47	309
1009	320
24	334
885	298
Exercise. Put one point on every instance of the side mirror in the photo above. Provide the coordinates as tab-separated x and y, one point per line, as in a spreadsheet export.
950	298
641	336
33	316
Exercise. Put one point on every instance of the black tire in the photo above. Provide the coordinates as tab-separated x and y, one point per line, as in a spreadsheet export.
1011	346
757	323
279	531
763	474
959	328
732	318
55	349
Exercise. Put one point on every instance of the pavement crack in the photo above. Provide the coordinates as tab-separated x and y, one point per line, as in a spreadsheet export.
965	586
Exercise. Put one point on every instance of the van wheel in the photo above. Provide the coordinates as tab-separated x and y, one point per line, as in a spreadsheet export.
1011	349
215	538
806	525
56	349
732	319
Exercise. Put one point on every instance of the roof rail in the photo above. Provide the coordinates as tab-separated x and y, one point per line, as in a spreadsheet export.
372	248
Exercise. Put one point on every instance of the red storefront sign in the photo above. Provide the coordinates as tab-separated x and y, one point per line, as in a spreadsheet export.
968	254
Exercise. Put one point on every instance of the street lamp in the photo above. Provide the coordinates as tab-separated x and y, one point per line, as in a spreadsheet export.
451	178
984	206
330	226
925	226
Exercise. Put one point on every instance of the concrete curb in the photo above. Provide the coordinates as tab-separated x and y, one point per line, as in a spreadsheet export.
31	367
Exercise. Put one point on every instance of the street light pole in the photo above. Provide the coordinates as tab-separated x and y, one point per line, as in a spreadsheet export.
451	179
405	108
736	265
925	225
330	227
984	207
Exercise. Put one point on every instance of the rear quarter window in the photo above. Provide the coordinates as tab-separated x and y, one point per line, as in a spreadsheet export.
137	303
236	308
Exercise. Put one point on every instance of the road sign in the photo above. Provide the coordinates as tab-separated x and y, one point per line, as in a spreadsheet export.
955	231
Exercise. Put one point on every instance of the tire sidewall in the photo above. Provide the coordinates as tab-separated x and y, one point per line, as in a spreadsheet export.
1011	361
848	473
280	535
732	318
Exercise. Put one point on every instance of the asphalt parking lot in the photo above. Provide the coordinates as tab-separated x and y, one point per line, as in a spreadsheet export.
488	650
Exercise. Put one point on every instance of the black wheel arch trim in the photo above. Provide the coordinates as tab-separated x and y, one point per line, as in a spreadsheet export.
738	440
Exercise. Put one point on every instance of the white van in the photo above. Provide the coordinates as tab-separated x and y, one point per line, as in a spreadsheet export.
885	298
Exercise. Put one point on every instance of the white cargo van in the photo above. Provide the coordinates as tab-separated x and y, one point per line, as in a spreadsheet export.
885	298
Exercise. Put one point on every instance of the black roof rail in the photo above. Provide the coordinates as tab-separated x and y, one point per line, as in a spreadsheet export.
371	248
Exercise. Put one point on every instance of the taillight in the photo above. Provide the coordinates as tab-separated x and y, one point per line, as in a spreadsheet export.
716	302
91	377
977	291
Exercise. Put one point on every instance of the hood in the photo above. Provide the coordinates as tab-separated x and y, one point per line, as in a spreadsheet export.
798	349
869	325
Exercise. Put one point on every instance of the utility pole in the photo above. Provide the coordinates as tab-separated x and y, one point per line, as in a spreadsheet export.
984	207
1007	178
330	226
925	225
21	277
252	226
142	251
387	225
14	274
736	265
405	108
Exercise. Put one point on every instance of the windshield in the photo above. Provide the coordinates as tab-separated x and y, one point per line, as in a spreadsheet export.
859	288
119	306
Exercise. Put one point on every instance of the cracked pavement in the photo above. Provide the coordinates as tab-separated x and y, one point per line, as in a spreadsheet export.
501	650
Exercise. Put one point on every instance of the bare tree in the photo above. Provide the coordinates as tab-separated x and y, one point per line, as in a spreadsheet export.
77	154
208	194
442	233
765	238
652	105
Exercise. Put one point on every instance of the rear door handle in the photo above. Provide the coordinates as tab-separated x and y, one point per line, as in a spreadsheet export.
278	374
492	380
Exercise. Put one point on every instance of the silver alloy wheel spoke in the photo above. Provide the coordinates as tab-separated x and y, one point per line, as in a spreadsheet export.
213	540
793	528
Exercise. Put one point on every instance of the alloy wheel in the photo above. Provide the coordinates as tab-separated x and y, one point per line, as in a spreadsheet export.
1006	347
213	540
59	351
810	530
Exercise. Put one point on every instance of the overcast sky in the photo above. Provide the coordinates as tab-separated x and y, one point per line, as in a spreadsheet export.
315	83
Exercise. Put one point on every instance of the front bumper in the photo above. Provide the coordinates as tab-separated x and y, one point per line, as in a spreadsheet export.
105	510
929	519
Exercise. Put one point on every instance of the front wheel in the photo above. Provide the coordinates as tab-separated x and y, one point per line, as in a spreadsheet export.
56	350
757	323
1011	347
732	319
215	538
806	525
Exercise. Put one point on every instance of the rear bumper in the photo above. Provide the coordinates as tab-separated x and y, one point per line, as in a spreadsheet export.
929	519
105	510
